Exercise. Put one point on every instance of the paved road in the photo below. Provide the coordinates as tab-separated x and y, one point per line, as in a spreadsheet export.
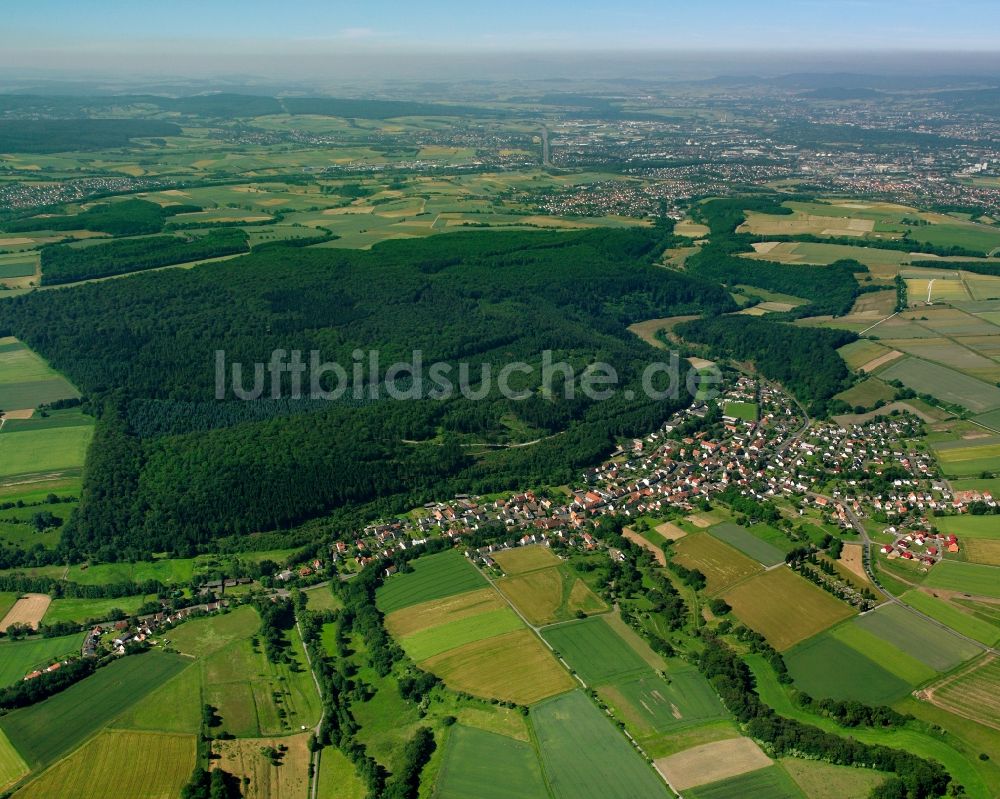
866	560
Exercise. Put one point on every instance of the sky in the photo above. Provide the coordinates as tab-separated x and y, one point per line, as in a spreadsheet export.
236	34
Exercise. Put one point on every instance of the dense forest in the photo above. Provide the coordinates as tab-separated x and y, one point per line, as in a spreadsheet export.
125	218
803	359
58	135
64	264
138	346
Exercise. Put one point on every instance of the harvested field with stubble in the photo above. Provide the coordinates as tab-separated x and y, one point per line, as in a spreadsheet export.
28	610
721	564
516	667
786	608
712	762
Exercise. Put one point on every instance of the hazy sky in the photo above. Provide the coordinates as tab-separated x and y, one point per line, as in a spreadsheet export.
233	34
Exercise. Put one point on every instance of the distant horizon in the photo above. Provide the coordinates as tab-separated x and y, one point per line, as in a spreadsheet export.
270	71
312	37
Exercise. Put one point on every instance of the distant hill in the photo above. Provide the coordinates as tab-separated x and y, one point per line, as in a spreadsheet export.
843	93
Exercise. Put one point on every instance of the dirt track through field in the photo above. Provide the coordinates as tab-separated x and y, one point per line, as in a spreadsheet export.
29	610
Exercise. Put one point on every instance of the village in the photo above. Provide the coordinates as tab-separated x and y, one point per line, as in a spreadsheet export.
775	455
759	444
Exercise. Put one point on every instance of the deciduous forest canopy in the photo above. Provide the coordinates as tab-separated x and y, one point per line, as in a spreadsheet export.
143	351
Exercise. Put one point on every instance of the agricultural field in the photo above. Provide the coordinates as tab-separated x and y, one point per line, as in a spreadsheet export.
205	636
772	782
972	693
488	766
322	598
965	578
722	565
969	456
595	651
983	550
18	658
12	765
712	762
82	610
246	759
427	615
519	560
433	641
928	643
819	780
867	393
954	616
785	608
464	639
255	697
969	526
435	576
26	381
174	706
337	778
139	765
549	594
749	544
651	705
569	730
859	353
825	667
944	384
53	451
902	664
86	707
27	611
515	666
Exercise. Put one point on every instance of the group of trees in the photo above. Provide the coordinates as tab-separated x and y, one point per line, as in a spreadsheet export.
125	218
62	263
851	713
